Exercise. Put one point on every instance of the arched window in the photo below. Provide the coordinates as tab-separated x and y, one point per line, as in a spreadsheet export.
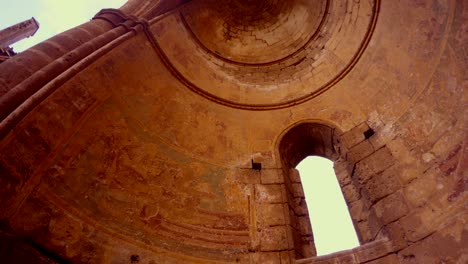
303	140
331	223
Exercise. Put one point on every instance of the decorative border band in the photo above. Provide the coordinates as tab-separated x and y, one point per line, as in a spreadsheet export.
206	49
281	105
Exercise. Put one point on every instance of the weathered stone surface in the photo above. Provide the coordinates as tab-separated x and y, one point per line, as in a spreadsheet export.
374	250
248	176
272	214
360	151
304	225
396	234
432	216
448	245
390	259
343	174
359	210
294	175
265	257
175	140
13	250
287	257
420	190
370	228
271	176
298	190
375	163
274	239
355	136
347	259
351	193
269	193
391	208
383	184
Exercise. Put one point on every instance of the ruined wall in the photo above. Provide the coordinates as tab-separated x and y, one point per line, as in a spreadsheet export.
130	139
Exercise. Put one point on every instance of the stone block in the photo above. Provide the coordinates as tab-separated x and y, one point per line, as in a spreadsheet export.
383	184
368	230
399	149
355	135
274	238
248	176
444	246
299	206
409	173
342	166
351	193
150	168
359	211
430	217
386	134
292	218
271	176
414	225
294	176
297	190
391	208
396	234
269	193
360	151
266	257
291	234
347	259
296	238
421	189
265	158
272	214
343	176
375	225
322	261
390	259
365	235
373	250
287	257
304	225
308	249
287	218
375	163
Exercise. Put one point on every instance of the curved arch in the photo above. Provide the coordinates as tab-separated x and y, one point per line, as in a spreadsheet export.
307	138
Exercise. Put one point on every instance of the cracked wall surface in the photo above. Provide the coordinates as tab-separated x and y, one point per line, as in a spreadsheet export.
131	138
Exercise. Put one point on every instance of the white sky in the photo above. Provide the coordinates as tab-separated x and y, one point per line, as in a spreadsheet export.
54	16
331	224
333	230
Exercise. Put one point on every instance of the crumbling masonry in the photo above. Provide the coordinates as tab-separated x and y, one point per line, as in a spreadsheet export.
168	132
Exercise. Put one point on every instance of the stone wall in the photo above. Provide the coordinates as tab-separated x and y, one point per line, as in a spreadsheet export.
139	137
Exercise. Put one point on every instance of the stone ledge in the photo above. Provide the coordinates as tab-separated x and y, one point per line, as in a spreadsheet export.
361	254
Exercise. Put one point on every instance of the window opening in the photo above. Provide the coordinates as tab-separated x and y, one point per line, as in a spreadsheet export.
331	223
256	165
368	133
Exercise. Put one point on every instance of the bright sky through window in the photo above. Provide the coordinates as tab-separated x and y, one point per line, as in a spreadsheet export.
331	224
54	16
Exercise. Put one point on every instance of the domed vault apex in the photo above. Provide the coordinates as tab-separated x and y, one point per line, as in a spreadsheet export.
255	32
267	54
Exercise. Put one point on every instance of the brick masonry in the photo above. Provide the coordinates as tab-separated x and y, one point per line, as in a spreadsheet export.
131	138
